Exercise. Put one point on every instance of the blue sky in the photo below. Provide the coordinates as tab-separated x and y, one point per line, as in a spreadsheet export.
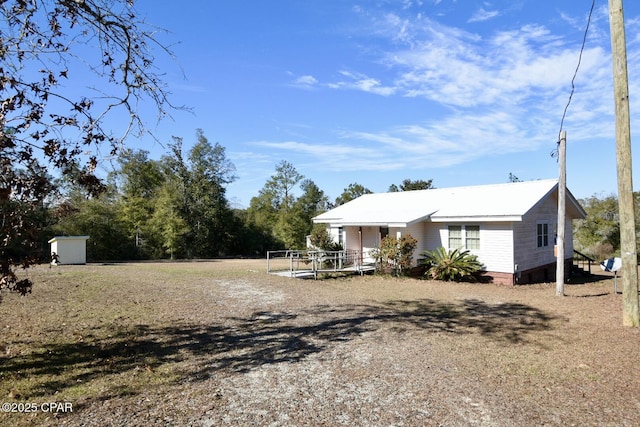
463	92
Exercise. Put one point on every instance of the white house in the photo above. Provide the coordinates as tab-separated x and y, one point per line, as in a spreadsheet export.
510	227
69	249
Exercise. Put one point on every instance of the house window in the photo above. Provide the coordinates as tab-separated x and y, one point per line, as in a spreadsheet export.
542	234
455	236
341	236
384	232
464	237
472	236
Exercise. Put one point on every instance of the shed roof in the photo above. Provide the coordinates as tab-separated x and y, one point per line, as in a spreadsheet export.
497	202
68	238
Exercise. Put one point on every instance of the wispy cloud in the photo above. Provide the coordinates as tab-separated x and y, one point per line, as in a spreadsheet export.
328	156
320	150
504	92
307	81
504	69
358	81
483	15
438	143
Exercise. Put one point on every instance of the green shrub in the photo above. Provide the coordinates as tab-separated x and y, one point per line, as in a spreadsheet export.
321	239
454	265
395	255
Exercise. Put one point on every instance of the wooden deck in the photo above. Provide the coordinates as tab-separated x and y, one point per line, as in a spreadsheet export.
313	274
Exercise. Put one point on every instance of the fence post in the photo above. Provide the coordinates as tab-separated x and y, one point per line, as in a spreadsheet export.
268	269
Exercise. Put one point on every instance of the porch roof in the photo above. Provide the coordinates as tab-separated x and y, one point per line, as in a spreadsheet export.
482	203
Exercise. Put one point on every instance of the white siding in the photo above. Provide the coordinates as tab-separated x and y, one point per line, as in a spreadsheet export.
334	233
496	247
432	236
416	231
496	243
351	238
527	254
69	249
370	240
568	239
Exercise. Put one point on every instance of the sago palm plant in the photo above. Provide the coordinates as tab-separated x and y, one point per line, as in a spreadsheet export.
453	265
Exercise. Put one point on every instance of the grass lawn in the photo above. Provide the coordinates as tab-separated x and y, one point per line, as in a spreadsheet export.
223	343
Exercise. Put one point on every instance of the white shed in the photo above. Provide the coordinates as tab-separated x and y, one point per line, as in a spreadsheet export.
69	249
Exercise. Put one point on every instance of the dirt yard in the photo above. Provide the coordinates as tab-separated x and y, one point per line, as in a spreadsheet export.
222	343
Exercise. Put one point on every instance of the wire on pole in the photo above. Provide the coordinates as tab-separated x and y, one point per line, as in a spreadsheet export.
554	152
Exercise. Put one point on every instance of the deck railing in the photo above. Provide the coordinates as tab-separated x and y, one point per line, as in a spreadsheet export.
581	260
312	262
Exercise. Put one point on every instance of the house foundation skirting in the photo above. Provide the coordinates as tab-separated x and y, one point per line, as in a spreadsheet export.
498	278
542	274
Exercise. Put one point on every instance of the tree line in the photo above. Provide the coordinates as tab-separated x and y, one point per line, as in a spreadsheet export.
177	207
174	207
598	235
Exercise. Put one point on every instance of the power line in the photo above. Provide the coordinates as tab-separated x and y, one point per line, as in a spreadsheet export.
554	153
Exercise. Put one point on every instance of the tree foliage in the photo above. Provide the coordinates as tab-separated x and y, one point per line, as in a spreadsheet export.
203	178
321	239
352	192
98	217
410	185
295	224
262	215
44	45
176	207
21	243
167	224
598	234
277	211
139	176
282	183
513	178
139	181
312	202
173	207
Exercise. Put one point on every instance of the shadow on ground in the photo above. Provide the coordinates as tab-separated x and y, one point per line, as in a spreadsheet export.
582	279
265	337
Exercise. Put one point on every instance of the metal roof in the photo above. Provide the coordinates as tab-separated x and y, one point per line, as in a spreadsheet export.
497	202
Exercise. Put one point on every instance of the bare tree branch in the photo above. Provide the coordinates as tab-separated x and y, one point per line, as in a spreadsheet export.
46	48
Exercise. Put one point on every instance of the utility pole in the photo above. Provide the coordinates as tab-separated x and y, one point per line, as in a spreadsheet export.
629	269
560	231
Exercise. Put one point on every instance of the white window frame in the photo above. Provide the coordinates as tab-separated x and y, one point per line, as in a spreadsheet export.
475	239
542	234
459	237
464	238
